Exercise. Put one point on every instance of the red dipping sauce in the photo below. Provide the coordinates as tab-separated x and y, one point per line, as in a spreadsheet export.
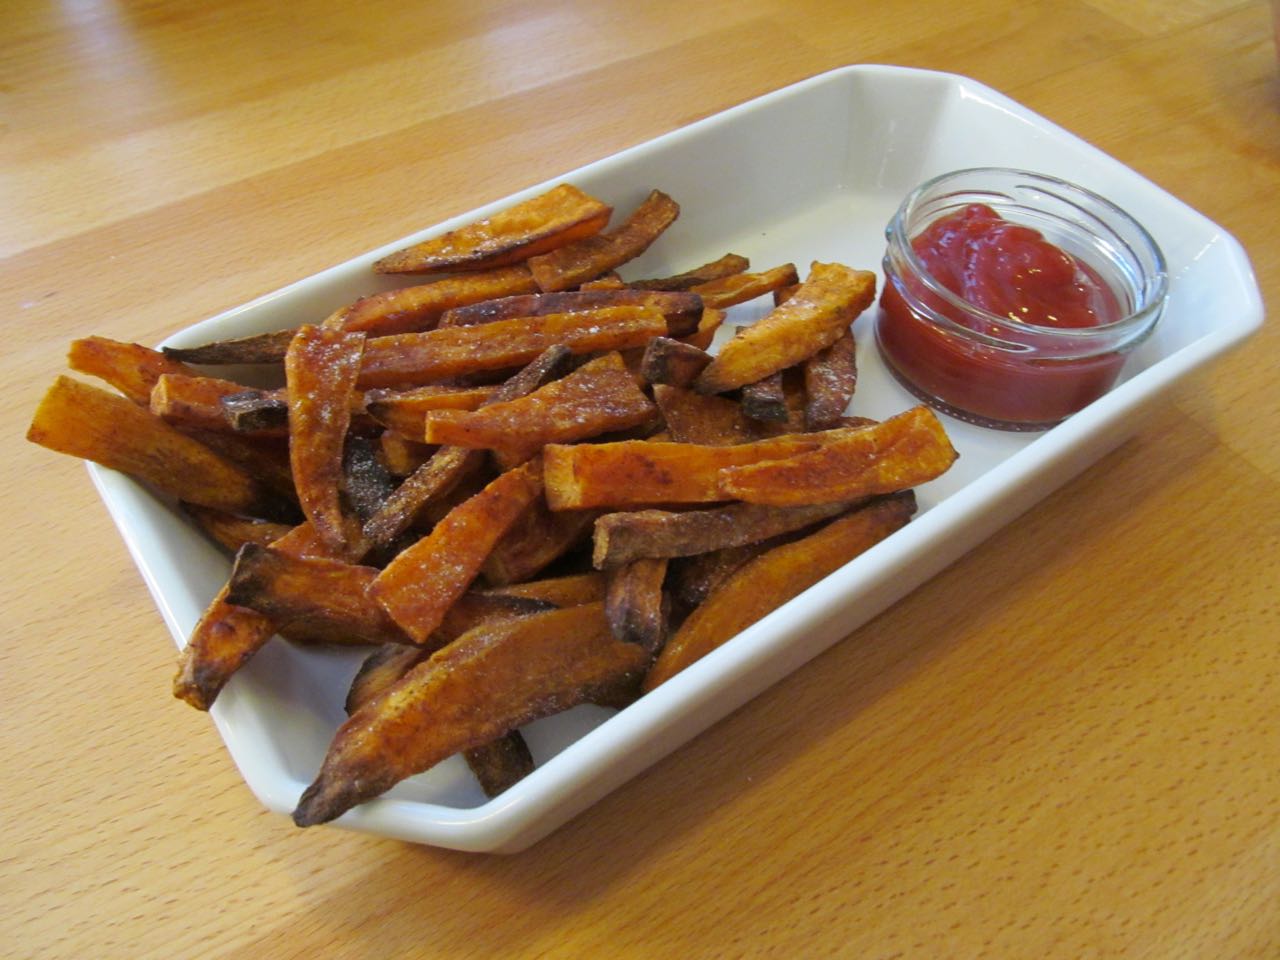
988	320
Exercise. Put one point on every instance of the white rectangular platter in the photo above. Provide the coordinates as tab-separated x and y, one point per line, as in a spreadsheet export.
810	172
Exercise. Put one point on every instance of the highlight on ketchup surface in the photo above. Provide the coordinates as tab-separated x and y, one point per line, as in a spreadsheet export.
1012	299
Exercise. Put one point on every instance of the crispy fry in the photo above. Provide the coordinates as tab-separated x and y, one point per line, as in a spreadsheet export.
198	402
405	411
381	670
417	308
501	763
728	265
568	591
698	418
320	373
635	604
403	456
606	281
413	359
903	451
534	226
366	483
258	348
323	597
129	367
830	378
814	318
422	582
728	291
765	400
692	579
672	362
682	311
623	537
232	532
588	258
94	424
536	540
640	472
776	576
489	681
598	397
707	327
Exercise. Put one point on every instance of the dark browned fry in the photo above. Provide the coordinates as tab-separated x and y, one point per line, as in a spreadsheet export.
94	424
418	358
739	288
830	378
681	310
129	367
526	229
324	598
258	348
257	412
691	579
636	606
599	397
366	483
380	670
728	265
501	763
422	582
588	258
765	399
903	451
763	584
484	684
320	374
672	362
831	297
623	537
198	402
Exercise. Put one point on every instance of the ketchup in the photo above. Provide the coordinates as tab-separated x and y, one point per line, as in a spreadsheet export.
1030	295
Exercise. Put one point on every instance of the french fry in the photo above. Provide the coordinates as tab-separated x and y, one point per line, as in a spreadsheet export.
623	537
129	367
728	291
606	281
765	583
403	456
259	413
381	670
682	311
320	374
692	579
94	424
707	327
672	362
366	483
700	418
765	400
199	402
484	684
635	604
641	472
822	309
259	348
588	258
418	308
232	532
422	582
405	411
728	265
537	539
570	590
903	451
500	764
323	597
534	226
830	378
415	359
599	397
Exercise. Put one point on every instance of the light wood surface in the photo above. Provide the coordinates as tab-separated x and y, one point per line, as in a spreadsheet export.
1065	745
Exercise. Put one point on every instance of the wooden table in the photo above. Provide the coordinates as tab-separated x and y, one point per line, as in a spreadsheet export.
1065	745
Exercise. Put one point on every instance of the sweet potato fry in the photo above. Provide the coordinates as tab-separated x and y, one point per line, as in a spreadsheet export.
255	349
417	308
776	576
323	597
320	374
635	604
381	670
534	226
830	378
682	311
626	536
129	367
501	763
707	327
588	258
598	397
487	682
903	451
415	359
699	418
672	362
232	532
692	579
568	591
814	318
199	402
765	400
422	582
405	411
403	456
94	424
728	265
728	291
537	539
640	472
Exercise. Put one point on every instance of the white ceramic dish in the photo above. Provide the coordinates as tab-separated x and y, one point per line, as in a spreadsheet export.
813	171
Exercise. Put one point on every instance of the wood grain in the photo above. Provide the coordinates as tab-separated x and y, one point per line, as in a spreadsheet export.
1065	745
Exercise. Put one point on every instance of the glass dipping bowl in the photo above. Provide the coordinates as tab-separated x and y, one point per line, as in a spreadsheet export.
995	370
